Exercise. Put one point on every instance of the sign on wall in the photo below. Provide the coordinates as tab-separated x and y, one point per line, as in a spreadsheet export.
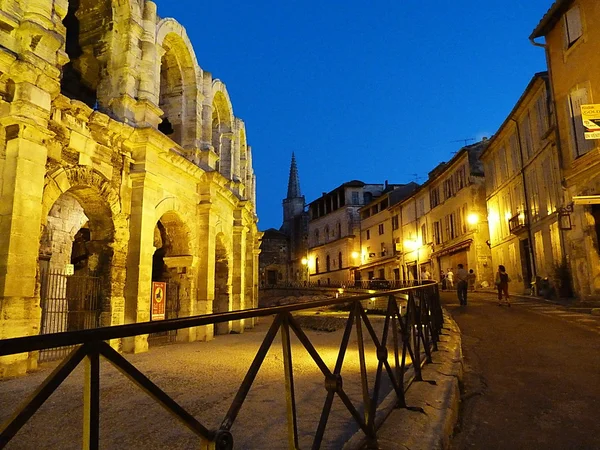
590	114
159	299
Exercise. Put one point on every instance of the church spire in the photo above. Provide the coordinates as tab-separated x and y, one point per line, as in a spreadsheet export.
294	181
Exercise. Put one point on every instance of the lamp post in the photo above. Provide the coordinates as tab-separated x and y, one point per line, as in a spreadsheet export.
305	264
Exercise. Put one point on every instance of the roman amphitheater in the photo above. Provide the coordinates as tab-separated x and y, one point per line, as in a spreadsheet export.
122	165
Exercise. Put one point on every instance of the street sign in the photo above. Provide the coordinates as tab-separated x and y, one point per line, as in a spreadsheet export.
590	115
159	298
69	269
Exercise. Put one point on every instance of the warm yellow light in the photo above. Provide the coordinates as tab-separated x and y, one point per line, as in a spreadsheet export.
521	216
410	244
355	255
473	218
304	261
507	215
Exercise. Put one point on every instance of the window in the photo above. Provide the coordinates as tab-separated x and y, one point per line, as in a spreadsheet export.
383	252
502	169
436	233
327	263
355	198
317	237
395	222
367	197
423	234
549	187
326	234
514	154
368	234
526	141
380	229
461	179
317	265
382	274
435	196
421	207
542	115
339	229
573	27
577	98
340	259
490	175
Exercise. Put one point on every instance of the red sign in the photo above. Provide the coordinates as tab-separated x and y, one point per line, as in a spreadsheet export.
159	299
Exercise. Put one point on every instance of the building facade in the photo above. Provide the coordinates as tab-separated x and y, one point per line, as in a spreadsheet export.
524	192
378	254
456	224
571	29
122	161
334	232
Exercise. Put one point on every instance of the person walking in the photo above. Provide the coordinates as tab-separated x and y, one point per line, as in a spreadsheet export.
462	284
502	280
472	278
443	280
450	279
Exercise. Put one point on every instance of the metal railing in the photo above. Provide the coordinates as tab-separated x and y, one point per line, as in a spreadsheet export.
412	325
376	284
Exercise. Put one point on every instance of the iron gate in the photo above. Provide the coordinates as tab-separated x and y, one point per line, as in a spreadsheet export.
171	312
69	303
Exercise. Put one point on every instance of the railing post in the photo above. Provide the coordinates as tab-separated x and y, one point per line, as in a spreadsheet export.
289	383
91	399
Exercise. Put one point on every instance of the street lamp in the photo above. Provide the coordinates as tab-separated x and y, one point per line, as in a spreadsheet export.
305	264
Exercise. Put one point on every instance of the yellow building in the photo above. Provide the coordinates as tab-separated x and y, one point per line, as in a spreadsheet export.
456	224
523	191
122	164
572	31
379	225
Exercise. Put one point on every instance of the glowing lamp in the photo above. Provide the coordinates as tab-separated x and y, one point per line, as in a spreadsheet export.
473	219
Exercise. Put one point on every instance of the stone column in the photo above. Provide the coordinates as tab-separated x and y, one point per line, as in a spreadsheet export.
142	221
238	276
206	265
23	173
184	266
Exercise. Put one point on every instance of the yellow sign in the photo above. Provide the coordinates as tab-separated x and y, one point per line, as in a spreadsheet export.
590	115
159	290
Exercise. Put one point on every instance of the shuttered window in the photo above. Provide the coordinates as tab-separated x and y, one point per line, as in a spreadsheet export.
573	27
581	146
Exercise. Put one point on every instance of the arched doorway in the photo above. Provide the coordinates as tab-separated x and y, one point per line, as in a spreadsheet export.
222	300
171	238
75	257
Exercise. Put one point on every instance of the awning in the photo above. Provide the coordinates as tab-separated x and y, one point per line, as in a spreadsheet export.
454	248
586	199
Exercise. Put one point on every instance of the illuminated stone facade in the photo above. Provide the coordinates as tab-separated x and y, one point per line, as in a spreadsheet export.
523	190
571	29
121	156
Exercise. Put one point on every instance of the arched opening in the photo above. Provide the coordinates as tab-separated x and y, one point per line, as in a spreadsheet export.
87	24
221	134
222	300
169	266
171	99
327	263
75	259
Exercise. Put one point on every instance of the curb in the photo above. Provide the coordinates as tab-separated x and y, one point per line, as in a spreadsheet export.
405	429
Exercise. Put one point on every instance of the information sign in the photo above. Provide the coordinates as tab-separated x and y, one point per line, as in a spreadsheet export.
159	299
590	115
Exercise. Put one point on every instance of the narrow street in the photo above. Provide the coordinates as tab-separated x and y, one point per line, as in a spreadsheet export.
531	378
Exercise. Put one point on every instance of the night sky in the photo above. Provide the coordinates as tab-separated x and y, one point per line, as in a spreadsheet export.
360	91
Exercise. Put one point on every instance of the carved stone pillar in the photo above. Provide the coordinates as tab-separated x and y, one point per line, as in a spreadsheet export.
238	276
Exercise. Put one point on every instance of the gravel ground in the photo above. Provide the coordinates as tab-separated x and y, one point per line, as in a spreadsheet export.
203	377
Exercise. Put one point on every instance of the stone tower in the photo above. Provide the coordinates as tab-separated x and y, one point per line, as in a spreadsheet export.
293	204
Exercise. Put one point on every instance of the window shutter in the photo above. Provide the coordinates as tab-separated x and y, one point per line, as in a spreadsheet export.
573	24
577	98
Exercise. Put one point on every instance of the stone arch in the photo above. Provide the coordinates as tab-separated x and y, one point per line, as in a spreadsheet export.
178	84
223	281
81	214
222	128
91	34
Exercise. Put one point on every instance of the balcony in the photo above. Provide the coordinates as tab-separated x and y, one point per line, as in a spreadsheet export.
518	223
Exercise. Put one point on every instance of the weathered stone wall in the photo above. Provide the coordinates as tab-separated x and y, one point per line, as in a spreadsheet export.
108	122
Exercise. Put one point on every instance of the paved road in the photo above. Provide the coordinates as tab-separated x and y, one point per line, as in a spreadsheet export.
532	375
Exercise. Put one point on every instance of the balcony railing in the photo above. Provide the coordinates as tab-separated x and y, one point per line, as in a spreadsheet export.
412	325
518	222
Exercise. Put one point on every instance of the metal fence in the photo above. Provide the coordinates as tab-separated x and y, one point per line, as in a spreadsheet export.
375	284
69	303
412	326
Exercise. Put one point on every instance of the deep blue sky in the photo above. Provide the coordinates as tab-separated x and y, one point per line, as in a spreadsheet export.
368	90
